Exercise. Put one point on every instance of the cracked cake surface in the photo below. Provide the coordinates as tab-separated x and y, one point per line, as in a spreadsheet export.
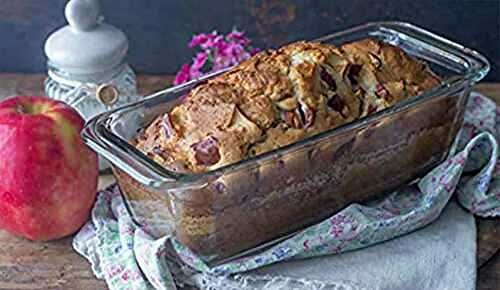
279	97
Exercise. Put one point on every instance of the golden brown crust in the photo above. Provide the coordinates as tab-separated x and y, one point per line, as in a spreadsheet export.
279	97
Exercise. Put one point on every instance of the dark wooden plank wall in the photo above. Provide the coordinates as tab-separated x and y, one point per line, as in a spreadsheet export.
159	29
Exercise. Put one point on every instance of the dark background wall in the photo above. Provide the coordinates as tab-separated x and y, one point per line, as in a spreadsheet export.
159	29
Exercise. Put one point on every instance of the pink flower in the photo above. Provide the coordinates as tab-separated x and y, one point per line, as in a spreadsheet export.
239	54
337	230
221	62
238	37
201	38
199	61
217	52
217	42
194	74
183	75
198	39
234	49
233	53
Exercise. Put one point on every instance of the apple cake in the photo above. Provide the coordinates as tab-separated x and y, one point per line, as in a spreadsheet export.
274	99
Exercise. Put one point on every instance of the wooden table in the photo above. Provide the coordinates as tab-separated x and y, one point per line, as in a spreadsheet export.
54	265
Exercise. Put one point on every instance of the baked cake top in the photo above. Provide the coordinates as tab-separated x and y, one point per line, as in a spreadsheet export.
279	97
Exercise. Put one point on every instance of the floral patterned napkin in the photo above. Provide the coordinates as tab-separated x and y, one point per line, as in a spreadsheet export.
129	258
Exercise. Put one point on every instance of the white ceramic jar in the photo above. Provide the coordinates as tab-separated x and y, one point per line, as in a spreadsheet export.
86	62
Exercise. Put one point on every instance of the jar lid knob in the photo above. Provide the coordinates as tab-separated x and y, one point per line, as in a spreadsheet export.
83	15
87	45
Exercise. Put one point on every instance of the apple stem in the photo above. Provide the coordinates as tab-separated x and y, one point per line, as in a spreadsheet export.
21	109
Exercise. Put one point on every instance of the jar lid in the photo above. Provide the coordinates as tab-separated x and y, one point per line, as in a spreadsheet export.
87	45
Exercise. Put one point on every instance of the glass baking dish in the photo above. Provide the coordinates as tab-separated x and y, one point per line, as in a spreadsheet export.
251	204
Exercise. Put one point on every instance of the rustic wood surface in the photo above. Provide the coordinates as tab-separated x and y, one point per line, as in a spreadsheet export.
54	265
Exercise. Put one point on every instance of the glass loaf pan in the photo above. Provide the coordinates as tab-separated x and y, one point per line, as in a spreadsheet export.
248	205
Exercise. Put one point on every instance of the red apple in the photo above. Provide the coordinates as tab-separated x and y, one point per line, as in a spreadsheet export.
48	176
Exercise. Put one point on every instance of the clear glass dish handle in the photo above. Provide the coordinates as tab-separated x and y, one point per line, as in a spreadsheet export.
126	157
